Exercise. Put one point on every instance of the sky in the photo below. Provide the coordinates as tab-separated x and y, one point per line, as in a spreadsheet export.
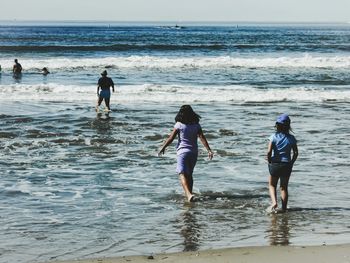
178	10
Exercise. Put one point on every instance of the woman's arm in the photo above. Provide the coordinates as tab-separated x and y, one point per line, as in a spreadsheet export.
168	141
206	144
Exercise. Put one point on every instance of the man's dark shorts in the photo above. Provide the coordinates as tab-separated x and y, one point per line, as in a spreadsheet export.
105	93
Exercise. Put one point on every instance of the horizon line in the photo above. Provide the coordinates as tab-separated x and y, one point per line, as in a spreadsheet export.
169	21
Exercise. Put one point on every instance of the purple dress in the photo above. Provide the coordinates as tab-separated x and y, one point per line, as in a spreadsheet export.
187	147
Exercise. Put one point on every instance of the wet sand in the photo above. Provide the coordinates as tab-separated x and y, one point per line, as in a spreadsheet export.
271	254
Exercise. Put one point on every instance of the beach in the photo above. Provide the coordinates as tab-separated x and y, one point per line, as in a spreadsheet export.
77	185
272	254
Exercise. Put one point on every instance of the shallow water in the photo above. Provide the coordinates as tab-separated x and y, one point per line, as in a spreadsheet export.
80	185
75	184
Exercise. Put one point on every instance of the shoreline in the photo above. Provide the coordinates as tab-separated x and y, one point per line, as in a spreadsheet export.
268	254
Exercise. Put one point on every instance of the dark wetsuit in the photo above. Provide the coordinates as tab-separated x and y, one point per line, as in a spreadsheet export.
17	68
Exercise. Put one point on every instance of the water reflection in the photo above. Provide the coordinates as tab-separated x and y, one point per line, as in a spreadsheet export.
102	123
103	116
190	230
279	231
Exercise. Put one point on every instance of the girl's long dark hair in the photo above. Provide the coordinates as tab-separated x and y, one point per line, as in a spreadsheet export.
186	115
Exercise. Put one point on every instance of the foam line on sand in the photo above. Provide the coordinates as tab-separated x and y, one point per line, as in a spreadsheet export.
268	254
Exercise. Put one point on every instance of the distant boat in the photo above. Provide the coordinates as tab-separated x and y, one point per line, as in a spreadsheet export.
178	27
173	27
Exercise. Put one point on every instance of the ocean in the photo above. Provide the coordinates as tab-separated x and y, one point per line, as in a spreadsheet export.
74	184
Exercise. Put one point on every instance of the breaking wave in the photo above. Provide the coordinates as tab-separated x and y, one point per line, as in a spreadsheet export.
306	61
171	93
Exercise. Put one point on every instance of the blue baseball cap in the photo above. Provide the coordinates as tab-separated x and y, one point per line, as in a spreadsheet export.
283	119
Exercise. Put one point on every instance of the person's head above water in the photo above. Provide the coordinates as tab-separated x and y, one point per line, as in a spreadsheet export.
104	73
45	71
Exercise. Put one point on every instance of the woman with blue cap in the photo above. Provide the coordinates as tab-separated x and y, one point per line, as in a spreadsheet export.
281	144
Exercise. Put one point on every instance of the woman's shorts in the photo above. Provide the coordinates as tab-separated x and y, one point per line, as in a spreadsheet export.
186	163
105	93
280	169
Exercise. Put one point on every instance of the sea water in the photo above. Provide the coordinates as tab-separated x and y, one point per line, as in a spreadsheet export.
76	184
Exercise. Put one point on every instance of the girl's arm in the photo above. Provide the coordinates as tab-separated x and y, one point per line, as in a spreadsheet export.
295	153
206	144
269	152
168	141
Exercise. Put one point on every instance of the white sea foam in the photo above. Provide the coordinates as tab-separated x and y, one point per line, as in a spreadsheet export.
304	61
170	93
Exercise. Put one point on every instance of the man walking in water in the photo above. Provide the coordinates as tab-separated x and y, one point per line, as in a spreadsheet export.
105	83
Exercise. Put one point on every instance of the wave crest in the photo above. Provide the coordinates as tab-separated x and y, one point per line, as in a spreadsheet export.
172	93
154	62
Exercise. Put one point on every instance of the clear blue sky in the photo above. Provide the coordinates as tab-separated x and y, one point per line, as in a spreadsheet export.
178	10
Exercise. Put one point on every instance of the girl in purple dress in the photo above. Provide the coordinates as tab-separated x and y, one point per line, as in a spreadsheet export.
188	129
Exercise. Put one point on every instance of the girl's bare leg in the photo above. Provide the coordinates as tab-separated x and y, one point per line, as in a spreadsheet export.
272	189
284	191
187	184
